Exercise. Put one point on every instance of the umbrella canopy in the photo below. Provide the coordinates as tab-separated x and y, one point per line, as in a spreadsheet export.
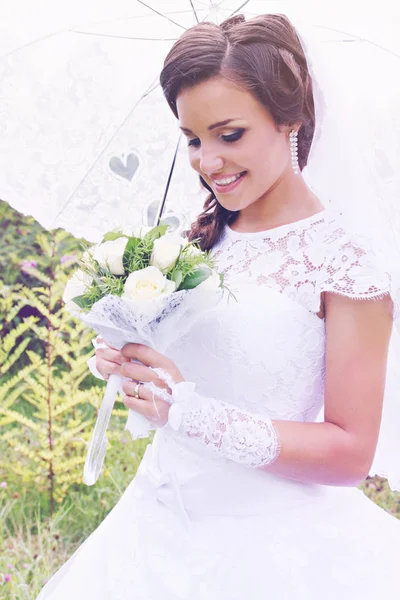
87	138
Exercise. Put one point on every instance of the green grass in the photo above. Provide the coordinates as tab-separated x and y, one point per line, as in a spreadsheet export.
378	490
33	545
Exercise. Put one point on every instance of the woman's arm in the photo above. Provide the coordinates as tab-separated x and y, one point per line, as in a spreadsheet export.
338	451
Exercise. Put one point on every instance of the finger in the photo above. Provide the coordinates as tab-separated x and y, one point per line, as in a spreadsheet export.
139	405
139	372
145	395
129	387
149	405
101	340
107	368
111	355
146	355
108	362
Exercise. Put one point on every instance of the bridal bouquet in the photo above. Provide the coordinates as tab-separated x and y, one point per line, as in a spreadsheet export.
147	286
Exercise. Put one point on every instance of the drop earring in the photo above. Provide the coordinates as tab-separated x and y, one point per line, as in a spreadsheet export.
294	151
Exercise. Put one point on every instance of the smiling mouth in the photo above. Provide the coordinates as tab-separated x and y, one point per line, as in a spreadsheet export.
225	181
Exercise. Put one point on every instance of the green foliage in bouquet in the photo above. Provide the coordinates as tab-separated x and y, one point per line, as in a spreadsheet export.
191	269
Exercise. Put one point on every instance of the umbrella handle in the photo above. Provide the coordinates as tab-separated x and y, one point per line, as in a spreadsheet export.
98	443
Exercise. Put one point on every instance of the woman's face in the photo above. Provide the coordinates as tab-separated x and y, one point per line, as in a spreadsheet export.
233	142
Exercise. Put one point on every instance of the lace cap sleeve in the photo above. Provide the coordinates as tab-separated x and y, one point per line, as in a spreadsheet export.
352	269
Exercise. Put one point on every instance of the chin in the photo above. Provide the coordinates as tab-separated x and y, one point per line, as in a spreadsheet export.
229	201
232	206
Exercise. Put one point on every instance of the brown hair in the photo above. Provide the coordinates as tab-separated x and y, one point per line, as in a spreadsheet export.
263	55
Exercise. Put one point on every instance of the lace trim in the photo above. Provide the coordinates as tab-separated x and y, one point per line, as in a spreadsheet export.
233	433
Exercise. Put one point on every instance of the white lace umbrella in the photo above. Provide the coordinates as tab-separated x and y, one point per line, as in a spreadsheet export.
87	140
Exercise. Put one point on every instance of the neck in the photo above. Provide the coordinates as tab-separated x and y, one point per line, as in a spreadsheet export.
288	200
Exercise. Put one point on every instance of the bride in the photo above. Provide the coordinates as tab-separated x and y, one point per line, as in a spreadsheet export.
243	492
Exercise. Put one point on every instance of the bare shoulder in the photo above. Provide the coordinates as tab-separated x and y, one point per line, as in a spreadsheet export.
358	331
344	311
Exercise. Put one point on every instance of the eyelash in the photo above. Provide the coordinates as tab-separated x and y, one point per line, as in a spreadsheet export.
229	139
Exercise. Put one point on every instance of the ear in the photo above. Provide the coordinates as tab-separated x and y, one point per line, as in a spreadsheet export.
296	126
286	129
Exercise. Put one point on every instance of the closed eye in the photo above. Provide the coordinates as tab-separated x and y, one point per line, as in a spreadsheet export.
228	137
233	137
194	142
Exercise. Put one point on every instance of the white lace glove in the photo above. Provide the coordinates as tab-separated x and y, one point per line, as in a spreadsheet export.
222	428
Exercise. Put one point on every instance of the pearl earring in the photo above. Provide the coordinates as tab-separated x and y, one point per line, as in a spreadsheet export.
294	150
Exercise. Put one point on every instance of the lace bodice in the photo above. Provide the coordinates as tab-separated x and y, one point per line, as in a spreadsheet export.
264	351
303	259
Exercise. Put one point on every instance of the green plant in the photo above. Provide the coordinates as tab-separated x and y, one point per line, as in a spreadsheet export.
48	403
20	248
47	407
10	351
33	546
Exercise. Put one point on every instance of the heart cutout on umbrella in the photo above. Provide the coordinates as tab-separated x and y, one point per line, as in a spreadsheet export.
128	170
175	221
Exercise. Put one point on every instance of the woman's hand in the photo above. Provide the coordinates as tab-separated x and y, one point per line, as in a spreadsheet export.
146	402
109	360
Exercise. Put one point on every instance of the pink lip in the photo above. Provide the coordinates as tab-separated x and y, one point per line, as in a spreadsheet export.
224	176
224	189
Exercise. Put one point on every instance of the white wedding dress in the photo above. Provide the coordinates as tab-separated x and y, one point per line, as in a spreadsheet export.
196	525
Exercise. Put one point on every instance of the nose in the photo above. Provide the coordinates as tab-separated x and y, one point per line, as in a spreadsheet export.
210	161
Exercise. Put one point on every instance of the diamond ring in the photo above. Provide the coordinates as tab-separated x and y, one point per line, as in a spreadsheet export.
136	391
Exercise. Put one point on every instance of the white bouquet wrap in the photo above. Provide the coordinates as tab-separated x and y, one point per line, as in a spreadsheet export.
144	305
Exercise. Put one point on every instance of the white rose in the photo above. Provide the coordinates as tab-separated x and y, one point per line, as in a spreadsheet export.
109	255
166	250
76	286
192	250
138	231
147	284
211	283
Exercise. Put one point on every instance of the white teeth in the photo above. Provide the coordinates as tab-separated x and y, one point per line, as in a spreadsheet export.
227	180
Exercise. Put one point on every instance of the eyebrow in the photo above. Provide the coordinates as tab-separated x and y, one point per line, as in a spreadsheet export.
211	127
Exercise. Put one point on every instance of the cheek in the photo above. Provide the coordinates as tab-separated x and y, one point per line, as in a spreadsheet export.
269	155
194	159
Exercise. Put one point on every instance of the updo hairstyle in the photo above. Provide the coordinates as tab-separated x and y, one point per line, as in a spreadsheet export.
264	56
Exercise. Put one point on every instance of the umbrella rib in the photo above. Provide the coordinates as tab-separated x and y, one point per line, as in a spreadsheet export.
161	15
149	90
194	11
125	37
359	39
240	8
41	39
221	2
50	35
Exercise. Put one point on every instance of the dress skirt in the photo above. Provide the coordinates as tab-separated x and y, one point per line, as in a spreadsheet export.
226	532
